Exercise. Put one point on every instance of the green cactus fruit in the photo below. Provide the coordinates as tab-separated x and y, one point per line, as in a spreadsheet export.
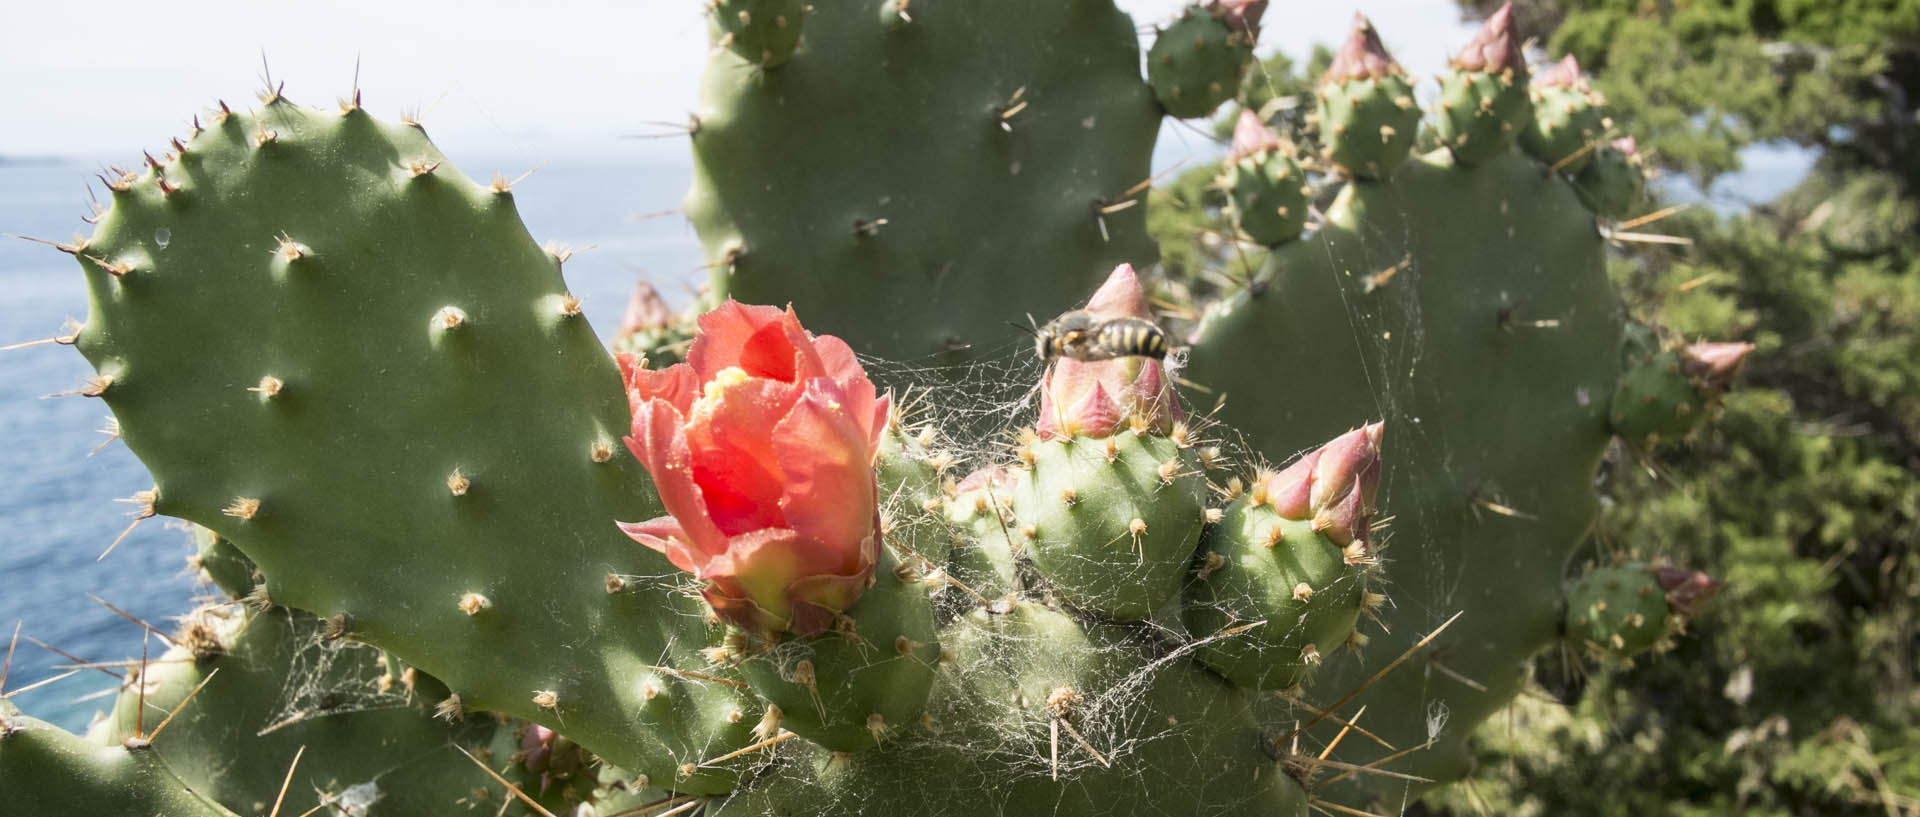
223	564
1112	521
908	488
1195	64
1667	389
1483	94
1472	305
1267	191
1040	713
1368	118
1284	576
987	536
851	688
47	770
1567	118
352	362
1613	182
762	32
814	184
1619	611
1655	399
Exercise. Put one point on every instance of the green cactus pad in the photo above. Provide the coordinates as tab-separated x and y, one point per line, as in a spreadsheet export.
1566	119
1195	64
852	688
815	184
1655	399
1168	734
1112	521
273	685
1283	575
1267	196
1612	183
345	357
56	772
1619	611
1469	305
1369	124
762	32
1480	112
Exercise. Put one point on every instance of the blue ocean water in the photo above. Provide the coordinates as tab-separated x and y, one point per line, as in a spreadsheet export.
59	502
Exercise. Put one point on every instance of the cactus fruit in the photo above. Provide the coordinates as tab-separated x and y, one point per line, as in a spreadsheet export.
1625	610
1483	94
1367	115
762	32
320	378
1112	498
1290	558
814	183
851	688
1567	118
1267	193
1666	389
1197	61
1612	182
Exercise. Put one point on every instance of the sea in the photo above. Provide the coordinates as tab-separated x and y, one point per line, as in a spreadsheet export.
61	481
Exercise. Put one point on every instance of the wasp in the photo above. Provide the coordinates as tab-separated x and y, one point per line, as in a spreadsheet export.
1082	336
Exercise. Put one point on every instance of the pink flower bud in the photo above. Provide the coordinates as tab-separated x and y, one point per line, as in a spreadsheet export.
1362	56
1251	136
1335	485
645	310
1098	398
1495	48
1713	365
1239	15
1562	74
1687	589
761	446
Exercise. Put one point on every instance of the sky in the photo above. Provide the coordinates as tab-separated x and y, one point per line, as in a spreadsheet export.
105	78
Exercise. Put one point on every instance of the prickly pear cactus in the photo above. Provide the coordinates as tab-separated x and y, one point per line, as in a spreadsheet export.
353	364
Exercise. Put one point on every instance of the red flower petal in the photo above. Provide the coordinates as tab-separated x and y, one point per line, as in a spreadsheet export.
734	462
724	332
661	446
837	359
665	535
827	461
676	384
769	352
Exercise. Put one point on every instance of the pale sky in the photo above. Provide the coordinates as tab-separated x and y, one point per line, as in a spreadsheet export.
106	78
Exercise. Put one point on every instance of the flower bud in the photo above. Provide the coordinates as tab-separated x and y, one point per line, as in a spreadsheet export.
1335	485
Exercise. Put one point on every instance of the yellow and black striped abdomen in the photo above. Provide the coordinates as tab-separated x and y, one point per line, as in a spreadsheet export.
1129	337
